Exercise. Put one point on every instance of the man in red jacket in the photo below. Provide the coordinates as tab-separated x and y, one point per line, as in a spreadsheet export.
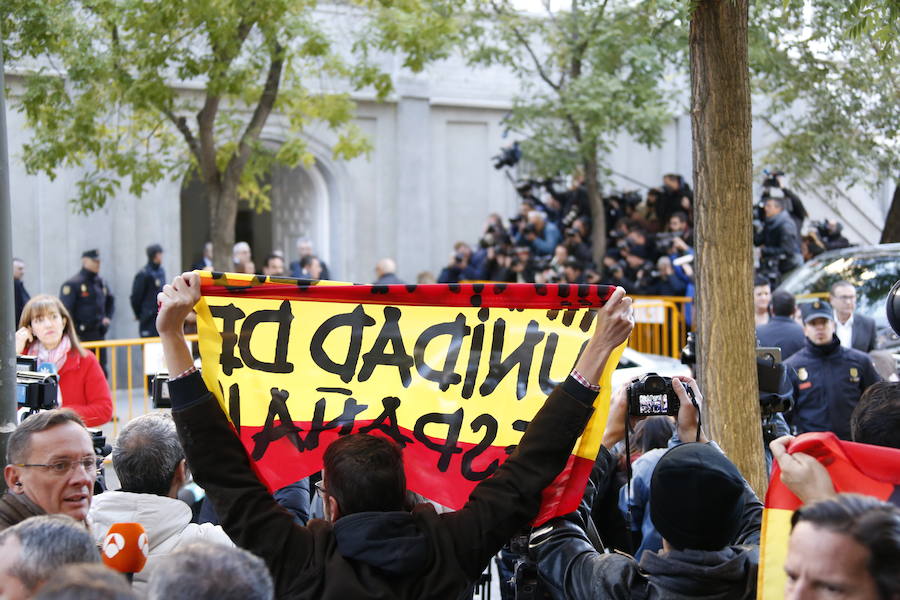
369	546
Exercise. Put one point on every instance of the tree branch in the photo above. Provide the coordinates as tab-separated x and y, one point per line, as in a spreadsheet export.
525	44
264	107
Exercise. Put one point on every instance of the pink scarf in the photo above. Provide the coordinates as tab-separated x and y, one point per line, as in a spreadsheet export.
57	356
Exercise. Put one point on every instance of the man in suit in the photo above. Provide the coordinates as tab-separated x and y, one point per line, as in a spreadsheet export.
782	331
853	329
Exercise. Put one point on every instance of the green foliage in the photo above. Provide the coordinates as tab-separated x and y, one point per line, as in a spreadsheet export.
829	85
587	74
116	87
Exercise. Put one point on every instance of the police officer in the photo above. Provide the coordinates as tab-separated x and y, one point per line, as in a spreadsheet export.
827	378
87	298
147	284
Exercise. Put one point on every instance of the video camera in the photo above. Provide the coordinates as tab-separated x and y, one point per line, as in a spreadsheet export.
35	390
653	394
509	156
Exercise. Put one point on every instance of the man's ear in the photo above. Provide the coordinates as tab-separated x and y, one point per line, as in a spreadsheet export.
11	475
179	478
333	508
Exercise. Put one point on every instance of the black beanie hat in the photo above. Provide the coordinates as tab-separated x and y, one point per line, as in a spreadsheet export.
695	497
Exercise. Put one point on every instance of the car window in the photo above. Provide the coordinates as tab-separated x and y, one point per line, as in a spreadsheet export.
872	275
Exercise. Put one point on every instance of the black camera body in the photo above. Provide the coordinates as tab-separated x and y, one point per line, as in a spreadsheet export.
37	390
652	395
160	391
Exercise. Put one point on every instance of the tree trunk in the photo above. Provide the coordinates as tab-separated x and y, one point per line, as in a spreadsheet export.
720	120
598	210
891	231
223	208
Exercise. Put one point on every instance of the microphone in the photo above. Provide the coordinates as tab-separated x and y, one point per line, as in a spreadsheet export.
125	548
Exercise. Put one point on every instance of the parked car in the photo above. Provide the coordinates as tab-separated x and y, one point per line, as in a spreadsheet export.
634	364
872	269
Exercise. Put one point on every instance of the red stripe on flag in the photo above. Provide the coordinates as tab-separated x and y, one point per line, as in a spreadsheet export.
283	464
490	295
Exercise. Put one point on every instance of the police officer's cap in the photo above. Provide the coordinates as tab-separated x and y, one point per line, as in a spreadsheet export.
816	310
93	254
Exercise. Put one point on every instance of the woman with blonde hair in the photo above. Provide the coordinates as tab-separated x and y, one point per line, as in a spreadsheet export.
46	331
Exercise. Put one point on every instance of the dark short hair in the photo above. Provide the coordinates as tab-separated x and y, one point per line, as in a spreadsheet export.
759	281
872	523
273	256
783	304
307	260
680	214
365	473
778	201
876	418
20	440
147	454
86	581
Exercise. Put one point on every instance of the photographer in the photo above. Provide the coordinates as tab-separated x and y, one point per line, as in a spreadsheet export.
678	224
774	187
539	234
460	268
576	243
674	196
830	233
779	241
664	282
574	203
708	517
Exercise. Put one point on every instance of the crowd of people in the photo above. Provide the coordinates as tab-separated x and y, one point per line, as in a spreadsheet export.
649	240
353	531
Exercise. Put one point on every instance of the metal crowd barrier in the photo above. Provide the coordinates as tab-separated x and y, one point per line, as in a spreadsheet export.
129	347
661	324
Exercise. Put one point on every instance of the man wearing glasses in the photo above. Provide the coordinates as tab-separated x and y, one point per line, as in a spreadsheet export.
51	468
854	330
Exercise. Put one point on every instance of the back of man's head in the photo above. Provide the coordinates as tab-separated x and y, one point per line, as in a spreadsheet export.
87	581
695	498
203	571
147	455
873	524
364	473
783	304
876	418
43	545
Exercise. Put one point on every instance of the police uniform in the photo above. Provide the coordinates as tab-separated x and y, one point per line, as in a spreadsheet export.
147	284
827	380
87	298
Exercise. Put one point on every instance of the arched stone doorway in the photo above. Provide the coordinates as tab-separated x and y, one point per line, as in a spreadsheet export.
301	202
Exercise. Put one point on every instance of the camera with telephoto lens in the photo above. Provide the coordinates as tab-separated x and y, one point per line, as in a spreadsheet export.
652	395
508	157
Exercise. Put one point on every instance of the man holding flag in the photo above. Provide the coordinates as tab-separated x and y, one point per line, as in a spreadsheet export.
369	546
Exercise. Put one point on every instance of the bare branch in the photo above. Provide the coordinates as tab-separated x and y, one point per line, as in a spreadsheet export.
527	45
182	126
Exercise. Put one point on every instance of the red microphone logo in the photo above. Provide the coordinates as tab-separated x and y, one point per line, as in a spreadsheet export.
125	547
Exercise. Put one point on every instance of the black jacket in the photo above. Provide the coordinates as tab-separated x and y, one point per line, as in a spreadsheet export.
22	297
148	283
418	554
828	381
88	300
864	335
780	238
784	333
574	570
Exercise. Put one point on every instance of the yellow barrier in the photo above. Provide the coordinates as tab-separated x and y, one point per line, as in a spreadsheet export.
112	364
661	324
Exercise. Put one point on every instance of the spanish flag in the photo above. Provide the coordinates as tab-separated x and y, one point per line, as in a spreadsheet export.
859	468
452	373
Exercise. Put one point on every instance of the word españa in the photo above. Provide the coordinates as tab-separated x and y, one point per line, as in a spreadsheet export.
390	349
279	424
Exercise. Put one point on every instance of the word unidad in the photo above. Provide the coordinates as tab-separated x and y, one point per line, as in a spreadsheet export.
389	348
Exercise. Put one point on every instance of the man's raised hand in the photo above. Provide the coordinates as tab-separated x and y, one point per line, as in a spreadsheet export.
615	320
176	301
